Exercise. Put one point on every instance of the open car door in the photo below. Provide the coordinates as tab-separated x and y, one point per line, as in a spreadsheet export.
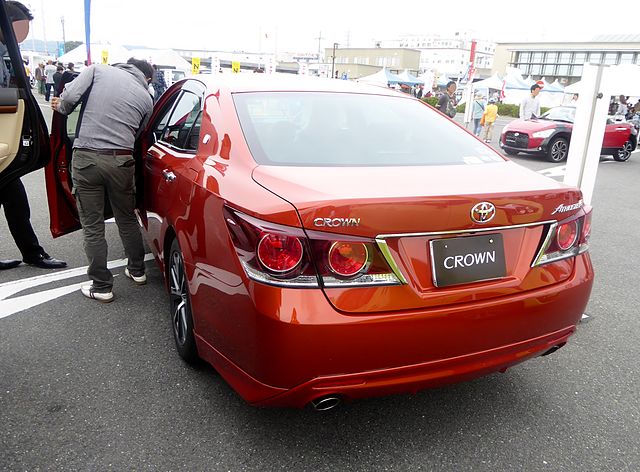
63	212
24	144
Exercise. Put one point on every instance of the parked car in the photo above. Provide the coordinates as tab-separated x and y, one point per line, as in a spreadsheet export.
323	240
550	135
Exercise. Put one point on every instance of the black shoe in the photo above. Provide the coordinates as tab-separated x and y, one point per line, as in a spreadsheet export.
9	264
45	261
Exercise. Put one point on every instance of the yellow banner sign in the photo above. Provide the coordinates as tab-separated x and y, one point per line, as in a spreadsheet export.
105	56
235	67
195	65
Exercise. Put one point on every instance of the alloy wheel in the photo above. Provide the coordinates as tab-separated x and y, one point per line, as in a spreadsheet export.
559	150
179	298
624	152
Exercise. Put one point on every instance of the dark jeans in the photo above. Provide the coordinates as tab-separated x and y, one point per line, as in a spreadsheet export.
47	92
96	175
13	199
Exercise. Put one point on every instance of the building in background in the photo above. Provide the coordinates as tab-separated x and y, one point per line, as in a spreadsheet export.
564	60
360	62
448	55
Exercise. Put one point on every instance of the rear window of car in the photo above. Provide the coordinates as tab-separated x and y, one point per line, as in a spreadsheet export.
347	129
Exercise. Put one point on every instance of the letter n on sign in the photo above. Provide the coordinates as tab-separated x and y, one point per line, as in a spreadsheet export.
195	65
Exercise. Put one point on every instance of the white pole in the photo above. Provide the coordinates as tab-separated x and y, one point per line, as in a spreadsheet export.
588	131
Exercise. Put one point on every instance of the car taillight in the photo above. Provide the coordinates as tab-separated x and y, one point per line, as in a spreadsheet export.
565	239
347	259
566	235
279	253
289	256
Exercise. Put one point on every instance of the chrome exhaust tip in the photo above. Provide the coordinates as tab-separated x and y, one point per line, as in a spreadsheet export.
552	350
325	403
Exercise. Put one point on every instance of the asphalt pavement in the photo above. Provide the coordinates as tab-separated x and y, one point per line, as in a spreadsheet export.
87	386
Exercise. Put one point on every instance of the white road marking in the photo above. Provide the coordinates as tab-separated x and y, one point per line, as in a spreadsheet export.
557	171
14	305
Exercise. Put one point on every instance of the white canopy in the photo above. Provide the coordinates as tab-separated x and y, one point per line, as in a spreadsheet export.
618	80
78	55
382	77
493	82
162	58
409	79
623	79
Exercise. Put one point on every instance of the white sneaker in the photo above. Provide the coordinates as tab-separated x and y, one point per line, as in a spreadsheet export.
139	280
104	297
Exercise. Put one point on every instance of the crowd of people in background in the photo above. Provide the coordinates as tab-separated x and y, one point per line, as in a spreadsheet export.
48	77
623	107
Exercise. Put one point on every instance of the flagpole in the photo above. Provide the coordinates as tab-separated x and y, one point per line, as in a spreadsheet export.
87	29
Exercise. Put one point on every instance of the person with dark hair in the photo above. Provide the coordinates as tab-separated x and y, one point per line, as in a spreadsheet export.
57	78
530	106
13	197
117	107
447	102
158	83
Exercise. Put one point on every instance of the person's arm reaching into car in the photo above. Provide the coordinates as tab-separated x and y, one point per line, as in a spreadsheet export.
73	92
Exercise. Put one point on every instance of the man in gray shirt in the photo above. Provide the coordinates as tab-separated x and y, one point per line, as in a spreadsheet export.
530	106
117	106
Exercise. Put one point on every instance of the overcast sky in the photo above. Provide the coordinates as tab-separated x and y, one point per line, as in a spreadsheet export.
294	26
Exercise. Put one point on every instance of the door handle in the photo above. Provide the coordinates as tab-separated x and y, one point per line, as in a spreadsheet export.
168	175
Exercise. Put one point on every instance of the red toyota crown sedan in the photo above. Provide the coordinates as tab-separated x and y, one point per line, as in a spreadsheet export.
323	240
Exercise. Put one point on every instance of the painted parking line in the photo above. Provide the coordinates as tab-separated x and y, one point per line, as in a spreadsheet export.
10	306
557	171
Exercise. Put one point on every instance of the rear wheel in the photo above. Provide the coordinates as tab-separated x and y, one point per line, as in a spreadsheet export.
624	153
180	306
558	150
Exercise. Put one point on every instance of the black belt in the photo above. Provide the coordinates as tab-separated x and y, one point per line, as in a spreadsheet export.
109	152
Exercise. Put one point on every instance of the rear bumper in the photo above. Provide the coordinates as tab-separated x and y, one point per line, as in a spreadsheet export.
418	377
301	348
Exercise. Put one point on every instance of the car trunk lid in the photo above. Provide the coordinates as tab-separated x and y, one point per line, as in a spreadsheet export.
408	209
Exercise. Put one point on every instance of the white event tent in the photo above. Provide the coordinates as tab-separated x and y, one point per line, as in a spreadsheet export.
623	79
114	53
165	58
382	77
410	79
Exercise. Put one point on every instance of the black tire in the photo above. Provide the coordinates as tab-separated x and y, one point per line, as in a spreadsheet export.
509	152
558	150
624	153
180	306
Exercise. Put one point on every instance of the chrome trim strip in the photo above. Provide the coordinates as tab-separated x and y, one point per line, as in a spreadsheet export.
375	280
298	282
545	245
384	248
386	253
463	231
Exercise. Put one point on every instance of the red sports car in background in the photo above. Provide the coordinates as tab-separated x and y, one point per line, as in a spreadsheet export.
323	240
550	136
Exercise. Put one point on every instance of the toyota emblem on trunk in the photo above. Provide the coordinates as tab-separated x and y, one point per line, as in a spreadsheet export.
483	212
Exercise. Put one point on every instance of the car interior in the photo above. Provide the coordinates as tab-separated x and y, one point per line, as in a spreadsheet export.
11	118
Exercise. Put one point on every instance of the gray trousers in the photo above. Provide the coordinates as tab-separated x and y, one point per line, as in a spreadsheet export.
96	175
